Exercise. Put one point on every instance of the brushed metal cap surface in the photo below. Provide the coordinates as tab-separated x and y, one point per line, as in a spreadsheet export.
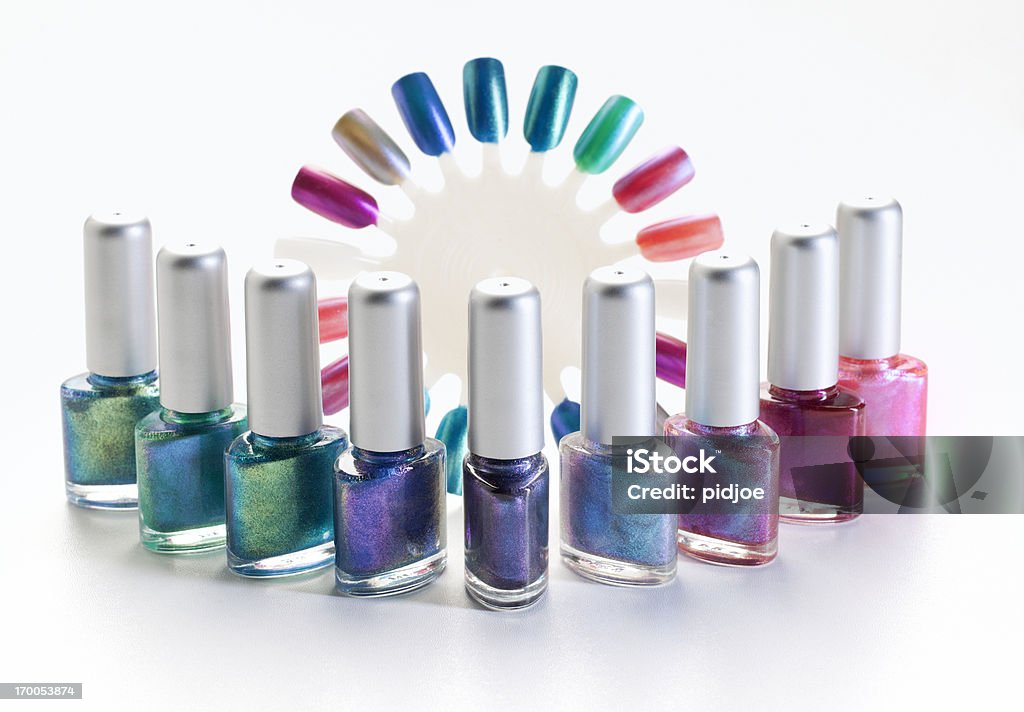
618	355
803	306
723	340
194	322
506	394
120	319
871	264
282	350
385	353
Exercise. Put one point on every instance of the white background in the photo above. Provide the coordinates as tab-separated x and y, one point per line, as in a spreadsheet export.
200	114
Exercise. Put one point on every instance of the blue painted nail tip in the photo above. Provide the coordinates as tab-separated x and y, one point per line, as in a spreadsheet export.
423	114
549	107
565	419
483	84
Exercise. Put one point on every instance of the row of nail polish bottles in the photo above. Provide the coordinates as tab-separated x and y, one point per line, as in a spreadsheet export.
178	452
834	367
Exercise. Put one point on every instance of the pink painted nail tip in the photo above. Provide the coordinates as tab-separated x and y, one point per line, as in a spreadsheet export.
653	180
334	384
329	196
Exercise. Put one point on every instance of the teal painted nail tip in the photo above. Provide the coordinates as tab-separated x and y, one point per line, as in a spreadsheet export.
483	83
452	432
607	134
549	107
565	419
424	114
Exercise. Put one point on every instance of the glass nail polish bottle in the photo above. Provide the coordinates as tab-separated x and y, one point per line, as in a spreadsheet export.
722	407
504	474
894	386
814	417
618	402
389	487
278	474
100	408
180	448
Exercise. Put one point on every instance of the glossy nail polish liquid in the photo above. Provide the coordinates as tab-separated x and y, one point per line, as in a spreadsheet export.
618	401
99	409
894	386
389	487
99	415
180	460
748	534
505	475
180	447
895	390
279	504
818	482
721	417
814	417
503	495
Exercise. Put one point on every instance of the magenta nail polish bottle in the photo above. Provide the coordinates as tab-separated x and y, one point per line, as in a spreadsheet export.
802	403
894	386
721	419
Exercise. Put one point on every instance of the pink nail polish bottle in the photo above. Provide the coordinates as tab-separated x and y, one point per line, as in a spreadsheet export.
813	416
894	386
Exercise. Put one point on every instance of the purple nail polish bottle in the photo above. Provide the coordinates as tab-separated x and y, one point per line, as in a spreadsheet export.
389	487
814	417
505	475
722	407
618	403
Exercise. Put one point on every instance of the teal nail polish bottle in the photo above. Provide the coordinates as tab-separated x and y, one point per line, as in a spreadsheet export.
278	486
180	447
100	408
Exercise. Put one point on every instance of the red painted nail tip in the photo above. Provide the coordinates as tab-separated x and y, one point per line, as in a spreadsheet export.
334	384
333	314
680	238
653	180
329	196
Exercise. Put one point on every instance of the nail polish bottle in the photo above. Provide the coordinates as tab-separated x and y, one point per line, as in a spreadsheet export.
814	417
100	408
389	487
722	408
505	474
894	386
278	480
180	448
617	402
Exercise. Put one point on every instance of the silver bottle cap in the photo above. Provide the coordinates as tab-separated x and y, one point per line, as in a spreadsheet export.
385	363
618	355
282	348
722	340
871	261
120	323
195	328
506	393
803	307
